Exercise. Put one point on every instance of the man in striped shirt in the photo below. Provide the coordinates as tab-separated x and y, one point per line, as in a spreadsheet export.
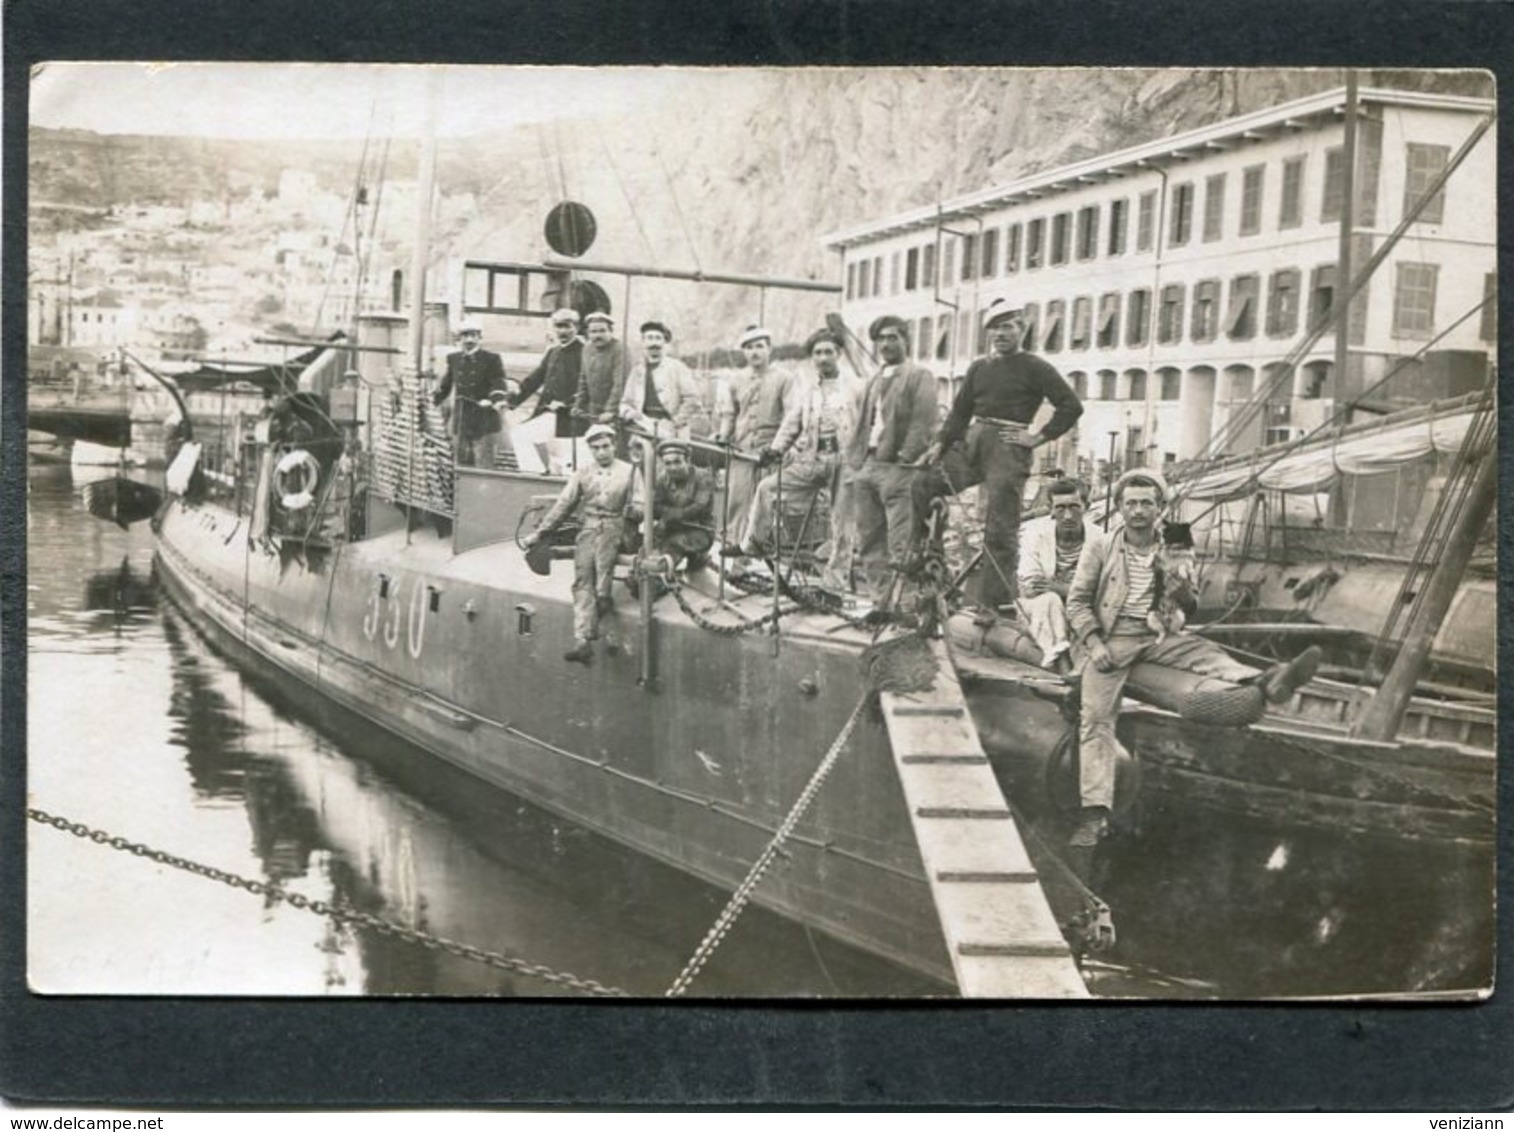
1115	587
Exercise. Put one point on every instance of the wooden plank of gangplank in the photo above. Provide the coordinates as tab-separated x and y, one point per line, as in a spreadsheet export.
999	929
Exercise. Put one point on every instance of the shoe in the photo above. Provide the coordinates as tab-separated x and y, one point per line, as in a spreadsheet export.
581	653
1281	680
1093	824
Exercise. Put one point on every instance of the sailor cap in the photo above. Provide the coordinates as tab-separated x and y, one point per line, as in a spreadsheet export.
596	431
753	334
1000	309
600	316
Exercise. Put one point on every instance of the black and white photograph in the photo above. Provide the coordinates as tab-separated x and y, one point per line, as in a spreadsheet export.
718	533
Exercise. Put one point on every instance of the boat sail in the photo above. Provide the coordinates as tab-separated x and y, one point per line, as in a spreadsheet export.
386	583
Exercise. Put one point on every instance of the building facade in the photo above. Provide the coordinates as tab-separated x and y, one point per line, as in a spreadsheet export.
1187	288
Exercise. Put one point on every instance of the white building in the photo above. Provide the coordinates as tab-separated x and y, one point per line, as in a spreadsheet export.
1173	281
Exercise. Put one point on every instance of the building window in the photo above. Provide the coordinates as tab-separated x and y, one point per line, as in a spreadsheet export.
864	277
1182	214
1081	333
1282	303
943	337
1138	318
1422	164
1206	310
969	256
1316	383
1146	213
1011	249
965	331
1334	194
1119	222
1137	385
1214	207
1414	300
1032	325
1079	382
1060	223
1051	336
923	340
1242	382
1252	180
1172	384
1290	211
1088	232
1035	243
1321	294
928	266
1240	323
912	269
990	266
1170	314
893	274
1488	327
1109	385
851	281
1108	330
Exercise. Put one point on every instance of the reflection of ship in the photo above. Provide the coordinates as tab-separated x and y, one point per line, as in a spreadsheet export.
692	746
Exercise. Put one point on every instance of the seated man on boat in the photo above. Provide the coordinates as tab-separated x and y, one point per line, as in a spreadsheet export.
819	424
550	430
683	512
1048	559
988	439
475	380
1117	584
598	496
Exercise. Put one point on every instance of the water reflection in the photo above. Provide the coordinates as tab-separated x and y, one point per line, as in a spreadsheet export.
181	751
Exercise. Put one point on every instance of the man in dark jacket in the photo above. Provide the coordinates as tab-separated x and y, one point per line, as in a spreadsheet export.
988	439
545	440
475	380
894	427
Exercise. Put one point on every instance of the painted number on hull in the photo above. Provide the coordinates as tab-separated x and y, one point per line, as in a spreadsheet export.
385	617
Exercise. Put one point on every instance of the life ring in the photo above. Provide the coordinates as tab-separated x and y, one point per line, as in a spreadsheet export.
296	478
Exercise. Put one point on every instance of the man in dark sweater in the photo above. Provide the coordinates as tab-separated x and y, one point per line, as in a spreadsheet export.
551	426
987	439
475	380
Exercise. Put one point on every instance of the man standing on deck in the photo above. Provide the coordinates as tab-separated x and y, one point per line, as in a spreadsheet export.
749	423
1048	560
603	379
475	379
661	394
894	426
987	439
1113	592
598	495
809	442
551	427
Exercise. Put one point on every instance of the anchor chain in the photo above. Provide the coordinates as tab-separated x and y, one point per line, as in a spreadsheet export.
743	894
744	625
340	914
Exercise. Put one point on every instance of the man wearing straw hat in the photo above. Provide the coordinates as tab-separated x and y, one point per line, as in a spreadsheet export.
749	424
988	439
475	380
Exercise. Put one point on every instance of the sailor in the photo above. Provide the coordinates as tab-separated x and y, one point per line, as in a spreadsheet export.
661	394
475	379
603	378
597	495
894	425
809	442
751	413
1109	604
988	439
550	430
1048	560
684	507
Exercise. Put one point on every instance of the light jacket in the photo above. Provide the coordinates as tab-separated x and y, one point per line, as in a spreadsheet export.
907	402
1102	583
1038	548
677	389
799	434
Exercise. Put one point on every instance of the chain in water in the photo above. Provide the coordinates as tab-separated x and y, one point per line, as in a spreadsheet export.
332	911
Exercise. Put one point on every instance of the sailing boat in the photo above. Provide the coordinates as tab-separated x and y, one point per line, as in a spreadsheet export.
389	588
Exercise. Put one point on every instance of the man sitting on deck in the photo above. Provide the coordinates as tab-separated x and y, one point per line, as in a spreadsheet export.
1048	560
598	495
1114	590
684	507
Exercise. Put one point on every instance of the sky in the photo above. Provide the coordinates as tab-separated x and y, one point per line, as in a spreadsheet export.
318	100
